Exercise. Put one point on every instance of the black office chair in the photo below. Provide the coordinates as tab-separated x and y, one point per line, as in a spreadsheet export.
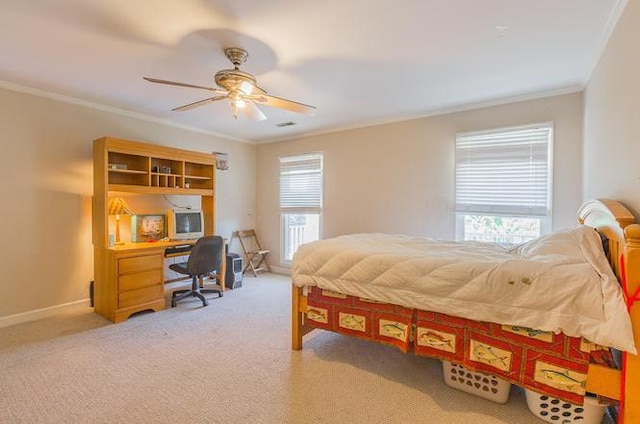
205	257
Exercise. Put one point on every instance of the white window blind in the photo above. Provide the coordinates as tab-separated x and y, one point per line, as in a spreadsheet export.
301	182
504	172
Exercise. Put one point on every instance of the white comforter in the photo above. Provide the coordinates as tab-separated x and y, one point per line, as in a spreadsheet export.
559	282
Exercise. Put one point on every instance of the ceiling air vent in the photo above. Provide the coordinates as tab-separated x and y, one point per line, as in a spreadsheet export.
285	124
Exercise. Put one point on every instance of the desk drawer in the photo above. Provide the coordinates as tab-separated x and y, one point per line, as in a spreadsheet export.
139	263
140	296
140	280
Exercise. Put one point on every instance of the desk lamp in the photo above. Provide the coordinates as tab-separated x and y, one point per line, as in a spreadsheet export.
117	206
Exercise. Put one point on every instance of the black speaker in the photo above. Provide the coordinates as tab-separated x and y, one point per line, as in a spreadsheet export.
233	274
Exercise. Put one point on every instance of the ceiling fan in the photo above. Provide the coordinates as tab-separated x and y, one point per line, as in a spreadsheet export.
241	89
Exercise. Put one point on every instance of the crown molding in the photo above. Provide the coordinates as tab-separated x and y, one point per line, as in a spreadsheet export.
111	109
438	112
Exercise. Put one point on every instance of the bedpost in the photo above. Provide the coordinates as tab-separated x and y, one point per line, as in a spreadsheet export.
631	408
296	319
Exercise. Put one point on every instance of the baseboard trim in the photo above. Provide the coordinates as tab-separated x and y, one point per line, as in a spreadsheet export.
37	314
280	270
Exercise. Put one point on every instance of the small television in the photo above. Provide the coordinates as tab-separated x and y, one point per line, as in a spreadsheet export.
185	224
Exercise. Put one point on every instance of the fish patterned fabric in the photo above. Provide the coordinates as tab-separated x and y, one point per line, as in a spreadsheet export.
553	364
561	282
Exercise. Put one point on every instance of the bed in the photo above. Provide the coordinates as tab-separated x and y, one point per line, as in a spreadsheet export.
377	294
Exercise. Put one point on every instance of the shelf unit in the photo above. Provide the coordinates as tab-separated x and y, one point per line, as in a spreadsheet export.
155	173
129	278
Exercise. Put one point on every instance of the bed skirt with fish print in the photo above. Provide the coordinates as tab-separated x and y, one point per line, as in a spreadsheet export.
553	364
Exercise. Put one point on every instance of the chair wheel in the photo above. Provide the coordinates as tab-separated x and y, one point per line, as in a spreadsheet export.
205	303
173	303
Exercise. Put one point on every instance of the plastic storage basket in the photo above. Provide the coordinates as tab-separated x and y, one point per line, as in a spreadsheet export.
553	410
484	385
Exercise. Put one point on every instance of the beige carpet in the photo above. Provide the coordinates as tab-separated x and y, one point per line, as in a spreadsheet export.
230	362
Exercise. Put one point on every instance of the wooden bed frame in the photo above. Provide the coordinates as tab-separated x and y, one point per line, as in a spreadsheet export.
614	221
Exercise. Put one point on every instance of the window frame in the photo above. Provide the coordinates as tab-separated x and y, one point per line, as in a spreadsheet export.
546	220
315	209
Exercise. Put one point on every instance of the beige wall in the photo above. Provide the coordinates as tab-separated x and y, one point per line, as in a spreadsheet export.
612	116
45	218
399	178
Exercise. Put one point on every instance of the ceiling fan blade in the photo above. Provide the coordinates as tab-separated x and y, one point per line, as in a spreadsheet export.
182	84
258	90
281	103
198	103
253	112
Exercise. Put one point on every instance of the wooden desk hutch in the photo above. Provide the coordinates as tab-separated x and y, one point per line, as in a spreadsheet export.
129	278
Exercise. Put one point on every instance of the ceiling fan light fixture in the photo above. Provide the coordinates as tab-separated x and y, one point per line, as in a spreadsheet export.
246	88
241	89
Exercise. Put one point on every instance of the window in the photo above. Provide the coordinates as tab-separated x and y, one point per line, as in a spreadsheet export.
300	202
503	184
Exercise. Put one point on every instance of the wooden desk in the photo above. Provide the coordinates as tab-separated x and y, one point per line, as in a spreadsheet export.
134	279
129	278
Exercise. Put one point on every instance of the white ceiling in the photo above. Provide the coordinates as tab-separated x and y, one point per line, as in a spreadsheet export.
360	62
